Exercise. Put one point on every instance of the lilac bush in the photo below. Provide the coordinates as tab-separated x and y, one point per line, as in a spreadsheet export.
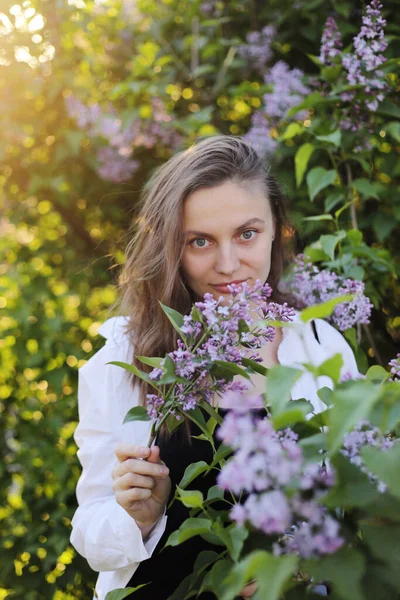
365	434
309	286
282	491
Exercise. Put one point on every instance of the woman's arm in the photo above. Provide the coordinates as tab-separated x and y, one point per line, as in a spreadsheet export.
103	532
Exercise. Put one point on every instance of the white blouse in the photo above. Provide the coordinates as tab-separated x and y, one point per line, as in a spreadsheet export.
102	531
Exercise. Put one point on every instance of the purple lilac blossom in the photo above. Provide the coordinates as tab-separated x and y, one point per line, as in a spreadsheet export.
394	365
215	331
287	90
257	49
114	167
265	464
364	434
310	286
115	162
331	42
362	66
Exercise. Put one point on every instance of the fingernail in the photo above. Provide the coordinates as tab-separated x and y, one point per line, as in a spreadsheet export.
143	451
164	470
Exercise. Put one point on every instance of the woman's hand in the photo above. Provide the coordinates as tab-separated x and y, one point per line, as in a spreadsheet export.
141	487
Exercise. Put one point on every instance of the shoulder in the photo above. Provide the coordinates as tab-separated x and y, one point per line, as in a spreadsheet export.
316	341
117	347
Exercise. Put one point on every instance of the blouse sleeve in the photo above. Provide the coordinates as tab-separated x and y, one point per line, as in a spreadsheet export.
102	531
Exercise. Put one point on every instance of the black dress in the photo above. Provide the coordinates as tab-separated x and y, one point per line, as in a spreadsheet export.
167	568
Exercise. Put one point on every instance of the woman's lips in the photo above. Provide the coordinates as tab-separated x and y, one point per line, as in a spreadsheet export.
223	287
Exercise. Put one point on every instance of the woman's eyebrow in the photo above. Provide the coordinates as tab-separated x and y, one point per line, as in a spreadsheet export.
254	221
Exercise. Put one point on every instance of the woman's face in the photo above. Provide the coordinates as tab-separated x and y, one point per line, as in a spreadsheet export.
229	231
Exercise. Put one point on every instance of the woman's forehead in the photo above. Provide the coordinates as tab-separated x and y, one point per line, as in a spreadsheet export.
228	206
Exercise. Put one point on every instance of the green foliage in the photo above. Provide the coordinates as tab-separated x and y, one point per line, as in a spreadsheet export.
63	229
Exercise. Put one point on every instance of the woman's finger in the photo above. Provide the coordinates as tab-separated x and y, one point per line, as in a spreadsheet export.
130	480
142	467
127	498
124	451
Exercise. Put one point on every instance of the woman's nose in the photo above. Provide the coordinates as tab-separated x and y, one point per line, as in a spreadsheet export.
227	260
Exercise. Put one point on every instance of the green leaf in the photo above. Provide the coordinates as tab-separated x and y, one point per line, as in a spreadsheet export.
323	310
332	200
291	131
137	413
270	572
254	366
221	453
344	570
323	217
377	373
191	472
232	368
212	412
331	73
301	160
132	369
152	361
384	543
189	528
237	535
318	179
365	188
329	242
121	593
175	318
353	488
385	465
214	493
311	101
325	394
204	559
331	367
334	138
389	109
352	402
279	384
190	498
172	423
393	129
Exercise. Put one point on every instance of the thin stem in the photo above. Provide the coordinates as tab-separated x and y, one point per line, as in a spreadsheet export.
353	212
373	345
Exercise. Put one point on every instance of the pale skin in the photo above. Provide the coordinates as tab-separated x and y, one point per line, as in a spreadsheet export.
229	232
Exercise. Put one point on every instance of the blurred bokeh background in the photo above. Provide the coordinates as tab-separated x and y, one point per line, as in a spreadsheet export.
93	96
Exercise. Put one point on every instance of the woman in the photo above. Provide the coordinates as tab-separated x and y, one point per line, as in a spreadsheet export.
211	215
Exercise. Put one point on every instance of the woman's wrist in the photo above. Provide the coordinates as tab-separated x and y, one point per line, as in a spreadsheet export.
146	528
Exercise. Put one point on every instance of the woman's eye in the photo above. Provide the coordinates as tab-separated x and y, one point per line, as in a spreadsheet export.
249	234
199	243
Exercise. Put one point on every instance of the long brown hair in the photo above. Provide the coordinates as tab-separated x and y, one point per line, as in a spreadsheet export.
152	270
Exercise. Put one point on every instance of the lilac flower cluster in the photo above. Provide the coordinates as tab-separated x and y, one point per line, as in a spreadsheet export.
115	161
287	90
257	49
310	286
364	434
282	492
331	42
362	65
394	365
214	331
